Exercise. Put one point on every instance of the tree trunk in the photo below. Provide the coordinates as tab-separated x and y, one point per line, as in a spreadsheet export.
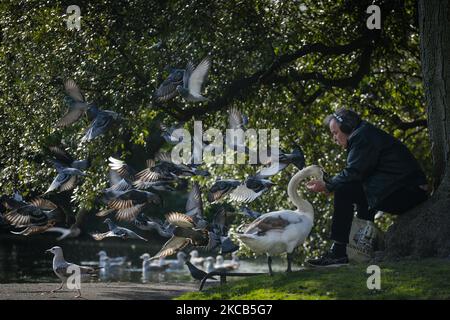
425	230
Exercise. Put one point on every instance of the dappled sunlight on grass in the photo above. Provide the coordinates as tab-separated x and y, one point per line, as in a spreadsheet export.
427	279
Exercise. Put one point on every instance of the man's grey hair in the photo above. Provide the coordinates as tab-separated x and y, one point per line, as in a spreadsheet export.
347	120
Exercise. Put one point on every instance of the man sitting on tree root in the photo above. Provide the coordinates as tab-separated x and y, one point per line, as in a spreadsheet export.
381	174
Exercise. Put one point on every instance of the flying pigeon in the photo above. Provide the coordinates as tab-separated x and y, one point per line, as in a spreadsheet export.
35	217
76	103
247	191
193	80
185	233
72	232
65	180
221	188
145	223
168	89
122	169
194	206
165	170
296	157
128	203
103	119
61	158
116	231
168	133
237	122
250	189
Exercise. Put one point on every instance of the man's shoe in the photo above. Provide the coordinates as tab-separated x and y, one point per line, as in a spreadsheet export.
329	259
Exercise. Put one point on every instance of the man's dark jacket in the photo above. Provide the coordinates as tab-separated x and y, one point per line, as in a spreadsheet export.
380	162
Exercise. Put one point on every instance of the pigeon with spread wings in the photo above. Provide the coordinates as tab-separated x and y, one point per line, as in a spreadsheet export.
60	157
194	206
74	230
116	231
144	222
66	179
193	80
168	89
185	234
237	122
296	157
127	204
165	170
102	121
76	102
247	191
35	217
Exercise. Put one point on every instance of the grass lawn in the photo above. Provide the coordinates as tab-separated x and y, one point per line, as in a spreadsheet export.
408	279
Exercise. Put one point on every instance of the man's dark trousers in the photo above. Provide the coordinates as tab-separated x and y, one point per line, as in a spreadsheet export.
351	194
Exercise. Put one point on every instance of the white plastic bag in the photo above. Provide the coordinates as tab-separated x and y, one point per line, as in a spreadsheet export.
365	238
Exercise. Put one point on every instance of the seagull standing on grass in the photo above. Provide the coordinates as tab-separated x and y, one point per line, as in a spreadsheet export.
178	263
61	266
155	266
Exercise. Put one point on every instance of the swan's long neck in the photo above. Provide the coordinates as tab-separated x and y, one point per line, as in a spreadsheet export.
295	196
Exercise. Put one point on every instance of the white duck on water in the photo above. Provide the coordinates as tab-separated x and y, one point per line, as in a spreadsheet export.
117	261
195	259
229	265
282	231
153	266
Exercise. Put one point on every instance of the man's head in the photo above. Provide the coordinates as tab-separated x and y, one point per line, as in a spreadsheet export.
341	124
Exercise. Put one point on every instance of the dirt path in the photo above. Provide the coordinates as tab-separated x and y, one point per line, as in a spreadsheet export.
96	291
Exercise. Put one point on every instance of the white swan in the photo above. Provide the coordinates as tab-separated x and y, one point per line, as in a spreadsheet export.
282	231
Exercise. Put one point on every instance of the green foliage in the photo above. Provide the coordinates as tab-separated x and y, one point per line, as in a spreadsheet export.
118	59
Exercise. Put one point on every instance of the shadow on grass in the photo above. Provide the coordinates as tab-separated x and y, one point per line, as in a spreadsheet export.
425	279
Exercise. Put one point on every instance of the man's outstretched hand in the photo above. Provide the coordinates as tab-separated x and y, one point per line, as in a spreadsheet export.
316	186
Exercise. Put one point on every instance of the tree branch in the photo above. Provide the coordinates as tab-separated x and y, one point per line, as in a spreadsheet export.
402	125
396	120
240	88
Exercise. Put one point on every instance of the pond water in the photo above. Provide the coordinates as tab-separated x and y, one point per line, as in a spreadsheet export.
23	259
